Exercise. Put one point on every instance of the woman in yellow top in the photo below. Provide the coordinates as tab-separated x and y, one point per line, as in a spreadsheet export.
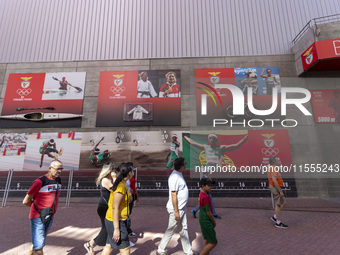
117	215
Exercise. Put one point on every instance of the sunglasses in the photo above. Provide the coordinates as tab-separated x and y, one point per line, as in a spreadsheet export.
59	168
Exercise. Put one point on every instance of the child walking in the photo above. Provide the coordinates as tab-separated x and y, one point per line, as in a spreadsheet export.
206	218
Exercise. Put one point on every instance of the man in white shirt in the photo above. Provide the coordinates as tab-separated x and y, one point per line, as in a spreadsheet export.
176	206
144	87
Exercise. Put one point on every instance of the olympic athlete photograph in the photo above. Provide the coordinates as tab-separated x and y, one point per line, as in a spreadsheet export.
173	154
213	152
145	88
270	80
64	86
170	88
98	157
48	147
42	148
249	81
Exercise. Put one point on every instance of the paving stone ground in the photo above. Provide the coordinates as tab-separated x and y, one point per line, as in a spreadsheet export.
245	227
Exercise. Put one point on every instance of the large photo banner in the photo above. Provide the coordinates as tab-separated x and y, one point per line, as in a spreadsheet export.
12	151
210	149
42	148
326	105
213	101
146	149
139	98
236	150
35	151
43	100
261	79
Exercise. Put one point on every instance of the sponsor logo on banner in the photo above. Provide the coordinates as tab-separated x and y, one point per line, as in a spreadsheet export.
214	78
24	90
118	81
269	151
268	142
117	89
308	56
25	83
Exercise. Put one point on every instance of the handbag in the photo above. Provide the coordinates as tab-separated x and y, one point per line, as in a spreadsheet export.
46	213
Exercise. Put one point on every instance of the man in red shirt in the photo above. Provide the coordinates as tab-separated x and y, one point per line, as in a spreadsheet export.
43	193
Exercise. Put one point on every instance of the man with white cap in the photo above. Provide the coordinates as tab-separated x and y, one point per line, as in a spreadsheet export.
174	147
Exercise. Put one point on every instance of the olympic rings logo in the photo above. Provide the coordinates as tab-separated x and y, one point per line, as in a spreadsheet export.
24	92
117	90
269	152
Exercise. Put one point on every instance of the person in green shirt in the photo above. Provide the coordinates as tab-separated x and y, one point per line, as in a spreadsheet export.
206	218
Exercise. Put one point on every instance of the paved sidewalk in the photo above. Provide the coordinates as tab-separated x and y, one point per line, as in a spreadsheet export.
245	228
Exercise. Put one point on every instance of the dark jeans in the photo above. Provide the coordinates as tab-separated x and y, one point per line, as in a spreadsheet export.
134	197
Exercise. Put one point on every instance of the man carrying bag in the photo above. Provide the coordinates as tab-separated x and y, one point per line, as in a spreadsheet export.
42	198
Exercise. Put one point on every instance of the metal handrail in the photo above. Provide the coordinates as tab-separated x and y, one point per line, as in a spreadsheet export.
315	22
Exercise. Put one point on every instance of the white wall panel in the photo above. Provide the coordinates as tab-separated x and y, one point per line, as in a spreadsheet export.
63	30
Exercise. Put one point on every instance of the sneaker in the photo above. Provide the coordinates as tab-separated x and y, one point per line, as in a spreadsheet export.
281	225
273	219
217	217
132	244
193	212
132	234
89	248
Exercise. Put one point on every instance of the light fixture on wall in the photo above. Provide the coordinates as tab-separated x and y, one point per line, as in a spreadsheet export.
317	31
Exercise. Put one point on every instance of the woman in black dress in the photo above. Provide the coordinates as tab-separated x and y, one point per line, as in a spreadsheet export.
105	179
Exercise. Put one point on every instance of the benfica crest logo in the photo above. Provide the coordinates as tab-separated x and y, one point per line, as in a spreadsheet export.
214	78
309	59
268	142
25	83
309	56
269	151
118	81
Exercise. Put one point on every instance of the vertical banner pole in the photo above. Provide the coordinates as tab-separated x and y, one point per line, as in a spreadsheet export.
3	199
136	174
8	184
68	196
68	189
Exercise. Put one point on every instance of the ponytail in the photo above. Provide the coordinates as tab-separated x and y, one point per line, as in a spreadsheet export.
124	171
